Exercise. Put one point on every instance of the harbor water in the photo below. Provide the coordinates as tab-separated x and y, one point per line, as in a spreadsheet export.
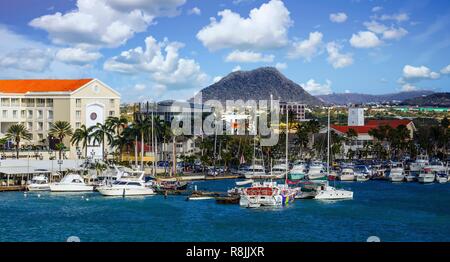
392	212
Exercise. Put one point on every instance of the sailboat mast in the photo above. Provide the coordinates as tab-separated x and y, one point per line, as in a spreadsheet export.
328	143
287	141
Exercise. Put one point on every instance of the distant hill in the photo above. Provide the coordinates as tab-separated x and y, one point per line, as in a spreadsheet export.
355	98
258	84
436	99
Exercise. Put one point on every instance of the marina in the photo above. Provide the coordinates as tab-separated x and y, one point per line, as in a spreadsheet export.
378	208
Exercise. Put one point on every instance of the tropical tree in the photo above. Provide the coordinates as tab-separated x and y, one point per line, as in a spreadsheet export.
102	133
60	130
82	135
118	124
18	132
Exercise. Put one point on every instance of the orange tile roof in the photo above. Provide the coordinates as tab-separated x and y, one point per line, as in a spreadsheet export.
41	85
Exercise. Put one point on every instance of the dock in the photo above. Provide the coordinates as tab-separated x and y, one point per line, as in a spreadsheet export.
12	188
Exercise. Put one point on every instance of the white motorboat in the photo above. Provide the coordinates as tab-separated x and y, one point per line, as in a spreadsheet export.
442	178
127	186
298	172
38	183
397	174
255	172
279	171
266	194
420	163
316	171
437	166
426	176
410	178
362	177
347	174
327	192
71	183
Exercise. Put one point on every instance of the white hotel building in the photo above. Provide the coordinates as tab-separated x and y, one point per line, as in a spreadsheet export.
38	103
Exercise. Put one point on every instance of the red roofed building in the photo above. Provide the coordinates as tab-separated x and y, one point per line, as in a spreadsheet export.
37	103
363	137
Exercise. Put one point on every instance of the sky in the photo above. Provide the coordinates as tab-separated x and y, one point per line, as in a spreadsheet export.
171	49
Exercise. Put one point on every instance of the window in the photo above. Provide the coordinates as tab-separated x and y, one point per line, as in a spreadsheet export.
78	114
50	114
78	102
40	126
30	126
39	114
40	137
5	102
5	113
77	124
40	102
15	102
30	114
15	114
111	102
112	113
49	102
23	113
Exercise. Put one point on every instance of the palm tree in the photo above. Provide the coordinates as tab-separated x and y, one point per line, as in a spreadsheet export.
118	124
82	135
17	132
102	133
60	129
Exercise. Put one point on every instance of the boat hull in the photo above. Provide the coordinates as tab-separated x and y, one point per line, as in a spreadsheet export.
112	191
426	179
347	177
70	188
33	188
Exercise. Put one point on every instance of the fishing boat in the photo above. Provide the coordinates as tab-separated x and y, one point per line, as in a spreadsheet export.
316	171
397	173
426	176
38	183
127	186
268	194
327	192
72	182
347	174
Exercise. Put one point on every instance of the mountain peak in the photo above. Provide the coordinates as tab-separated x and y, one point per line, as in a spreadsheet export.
258	84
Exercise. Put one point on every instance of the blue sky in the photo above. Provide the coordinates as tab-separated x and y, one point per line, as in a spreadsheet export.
169	49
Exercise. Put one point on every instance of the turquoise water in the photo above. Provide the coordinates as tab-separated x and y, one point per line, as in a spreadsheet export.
393	212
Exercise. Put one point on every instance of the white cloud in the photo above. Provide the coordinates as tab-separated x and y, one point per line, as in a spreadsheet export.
248	57
338	17
281	66
195	11
445	70
408	88
162	61
336	58
400	17
317	89
394	33
140	87
76	56
217	79
377	9
411	72
375	27
236	68
308	48
34	60
365	39
104	23
266	27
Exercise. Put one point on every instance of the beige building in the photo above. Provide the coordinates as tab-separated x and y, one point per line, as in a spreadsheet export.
39	103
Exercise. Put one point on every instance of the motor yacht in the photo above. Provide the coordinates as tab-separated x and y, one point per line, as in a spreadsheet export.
38	183
316	171
72	182
347	174
426	176
127	186
327	192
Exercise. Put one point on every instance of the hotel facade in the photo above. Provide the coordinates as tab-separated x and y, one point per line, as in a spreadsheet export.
38	103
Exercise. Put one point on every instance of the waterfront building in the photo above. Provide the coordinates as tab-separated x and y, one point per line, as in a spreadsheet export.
355	116
296	109
38	103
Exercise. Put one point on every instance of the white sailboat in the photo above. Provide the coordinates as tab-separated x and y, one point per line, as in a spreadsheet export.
71	183
325	191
